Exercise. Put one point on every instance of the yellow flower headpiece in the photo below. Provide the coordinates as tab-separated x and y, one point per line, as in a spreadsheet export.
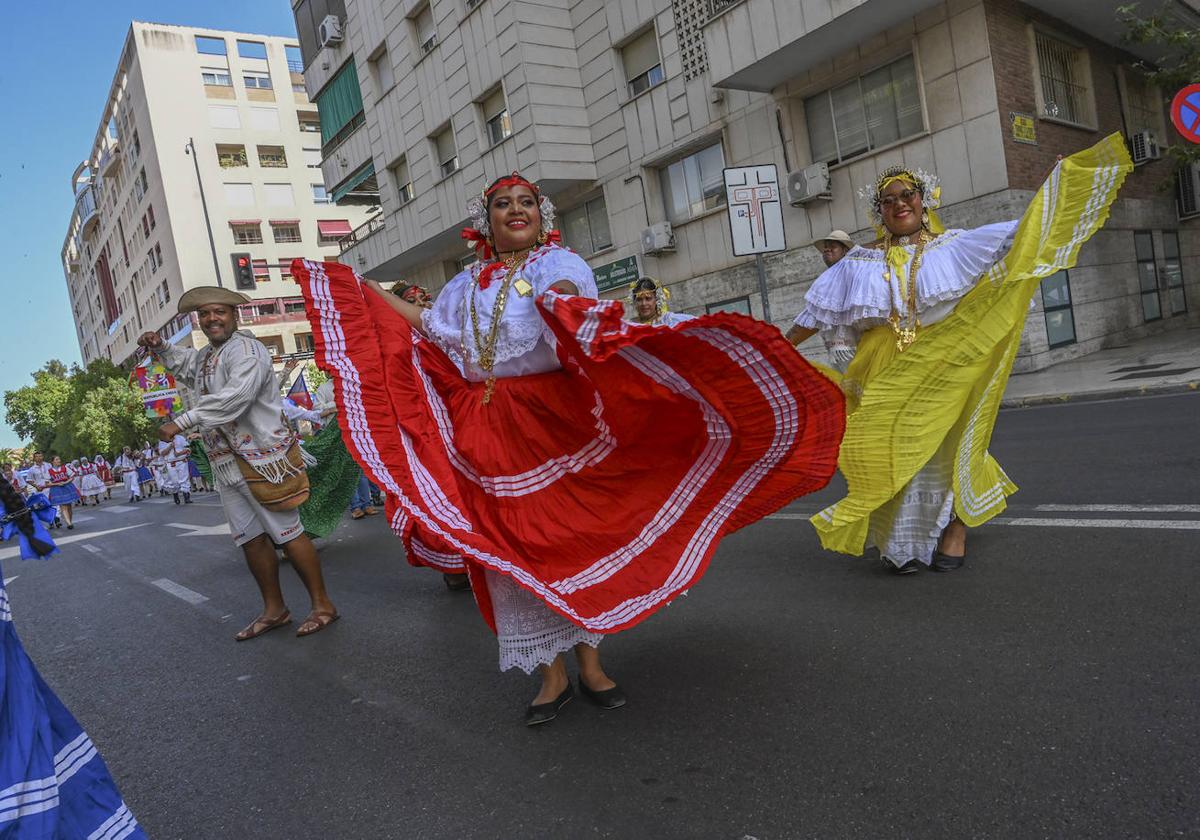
662	295
917	179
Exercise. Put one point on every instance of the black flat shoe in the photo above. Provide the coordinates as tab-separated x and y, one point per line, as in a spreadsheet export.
456	582
610	698
909	568
946	563
546	712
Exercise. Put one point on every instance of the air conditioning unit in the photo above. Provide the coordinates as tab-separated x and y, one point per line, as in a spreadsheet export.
809	184
1144	147
1189	191
330	31
658	239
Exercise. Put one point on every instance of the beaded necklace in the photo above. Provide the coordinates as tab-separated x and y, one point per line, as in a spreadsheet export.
905	328
485	349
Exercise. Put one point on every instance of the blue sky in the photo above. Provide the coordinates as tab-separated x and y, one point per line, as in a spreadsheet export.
57	75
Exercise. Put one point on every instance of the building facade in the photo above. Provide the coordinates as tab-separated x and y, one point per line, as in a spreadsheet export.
627	112
189	109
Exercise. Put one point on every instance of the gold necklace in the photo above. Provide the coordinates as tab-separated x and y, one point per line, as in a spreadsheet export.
485	349
905	329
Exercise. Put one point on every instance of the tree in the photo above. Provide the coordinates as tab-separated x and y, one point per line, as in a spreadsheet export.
1178	64
35	412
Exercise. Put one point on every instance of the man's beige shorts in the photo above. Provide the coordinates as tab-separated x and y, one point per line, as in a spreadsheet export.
247	518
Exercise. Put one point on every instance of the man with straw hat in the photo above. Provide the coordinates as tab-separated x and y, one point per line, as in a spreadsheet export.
256	461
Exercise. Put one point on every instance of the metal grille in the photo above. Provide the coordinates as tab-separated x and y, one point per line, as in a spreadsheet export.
715	7
1064	95
690	16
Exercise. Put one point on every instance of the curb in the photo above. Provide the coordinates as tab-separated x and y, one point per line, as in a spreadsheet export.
1096	396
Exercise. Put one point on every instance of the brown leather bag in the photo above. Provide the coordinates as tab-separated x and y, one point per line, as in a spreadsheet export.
287	495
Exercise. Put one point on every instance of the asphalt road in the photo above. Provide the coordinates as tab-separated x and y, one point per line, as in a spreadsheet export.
1049	689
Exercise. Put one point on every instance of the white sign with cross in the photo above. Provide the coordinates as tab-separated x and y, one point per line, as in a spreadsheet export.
755	209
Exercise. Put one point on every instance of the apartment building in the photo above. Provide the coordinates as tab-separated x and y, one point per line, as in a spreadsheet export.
627	112
207	148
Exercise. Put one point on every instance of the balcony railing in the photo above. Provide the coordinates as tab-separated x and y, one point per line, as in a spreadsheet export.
372	225
715	7
295	66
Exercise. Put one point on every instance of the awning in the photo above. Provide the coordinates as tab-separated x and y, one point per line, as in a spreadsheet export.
353	181
236	222
333	228
284	221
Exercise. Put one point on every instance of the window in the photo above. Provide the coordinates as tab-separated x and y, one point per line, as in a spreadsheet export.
150	214
264	119
239	195
1173	273
262	273
400	177
210	46
871	111
1056	303
309	121
220	78
695	184
339	107
1143	246
286	273
279	195
495	117
246	233
261	81
741	305
312	158
298	87
308	15
158	252
252	49
320	195
445	152
585	228
294	62
231	156
272	157
1064	81
381	71
153	261
1143	103
224	116
304	341
145	225
331	231
643	67
426	30
289	232
137	145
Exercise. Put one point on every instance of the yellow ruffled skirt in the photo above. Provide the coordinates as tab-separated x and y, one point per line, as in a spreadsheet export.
933	407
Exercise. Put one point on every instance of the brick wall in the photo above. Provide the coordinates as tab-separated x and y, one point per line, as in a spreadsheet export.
1007	22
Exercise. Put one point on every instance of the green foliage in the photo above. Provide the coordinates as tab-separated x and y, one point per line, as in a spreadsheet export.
1178	64
78	412
314	376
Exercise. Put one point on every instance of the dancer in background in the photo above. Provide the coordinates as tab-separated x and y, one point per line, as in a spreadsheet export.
63	494
648	304
127	471
104	473
937	317
90	485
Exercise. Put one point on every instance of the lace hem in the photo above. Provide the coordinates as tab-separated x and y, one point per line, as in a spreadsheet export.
529	651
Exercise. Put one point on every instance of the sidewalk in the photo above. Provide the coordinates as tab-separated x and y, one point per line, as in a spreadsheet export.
1160	364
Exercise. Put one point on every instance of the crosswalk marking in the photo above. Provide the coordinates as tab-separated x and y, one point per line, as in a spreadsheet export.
15	551
179	591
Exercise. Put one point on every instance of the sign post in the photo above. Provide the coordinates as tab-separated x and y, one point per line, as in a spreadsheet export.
755	218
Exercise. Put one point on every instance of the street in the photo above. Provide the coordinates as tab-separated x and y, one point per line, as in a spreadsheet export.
1051	688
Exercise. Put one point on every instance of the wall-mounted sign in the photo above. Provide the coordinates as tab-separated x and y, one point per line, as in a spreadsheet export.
618	273
1185	113
1024	127
755	209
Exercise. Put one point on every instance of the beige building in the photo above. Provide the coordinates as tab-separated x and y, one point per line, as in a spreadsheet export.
189	108
627	111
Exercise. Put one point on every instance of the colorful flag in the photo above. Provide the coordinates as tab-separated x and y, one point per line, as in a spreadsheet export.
299	393
160	396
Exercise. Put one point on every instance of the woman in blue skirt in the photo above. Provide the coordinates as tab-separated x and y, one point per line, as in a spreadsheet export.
53	783
63	492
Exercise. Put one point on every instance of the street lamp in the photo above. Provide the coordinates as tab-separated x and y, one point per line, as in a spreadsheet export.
190	149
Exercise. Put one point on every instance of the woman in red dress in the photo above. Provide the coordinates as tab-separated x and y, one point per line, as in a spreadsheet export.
579	468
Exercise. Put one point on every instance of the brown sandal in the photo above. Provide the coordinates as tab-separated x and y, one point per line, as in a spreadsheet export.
261	625
316	622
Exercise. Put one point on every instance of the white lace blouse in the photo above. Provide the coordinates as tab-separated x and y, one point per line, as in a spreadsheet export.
525	344
853	294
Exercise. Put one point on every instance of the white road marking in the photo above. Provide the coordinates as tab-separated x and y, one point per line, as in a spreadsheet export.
81	519
7	581
1119	508
789	516
179	591
15	551
90	548
1161	524
117	508
201	530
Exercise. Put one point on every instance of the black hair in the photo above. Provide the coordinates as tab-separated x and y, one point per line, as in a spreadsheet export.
20	515
401	289
645	284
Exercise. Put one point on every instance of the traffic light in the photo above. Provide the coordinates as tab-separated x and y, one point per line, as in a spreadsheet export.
243	271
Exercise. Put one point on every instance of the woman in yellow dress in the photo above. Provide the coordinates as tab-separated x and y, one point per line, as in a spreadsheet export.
938	316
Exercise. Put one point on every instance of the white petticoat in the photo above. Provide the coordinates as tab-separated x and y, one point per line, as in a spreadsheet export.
90	485
528	632
910	525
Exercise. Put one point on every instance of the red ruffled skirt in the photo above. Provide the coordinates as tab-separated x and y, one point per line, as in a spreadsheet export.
603	488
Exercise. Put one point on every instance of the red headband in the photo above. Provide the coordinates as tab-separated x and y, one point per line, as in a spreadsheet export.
513	180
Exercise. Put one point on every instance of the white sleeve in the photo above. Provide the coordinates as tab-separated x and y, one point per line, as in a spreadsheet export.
559	264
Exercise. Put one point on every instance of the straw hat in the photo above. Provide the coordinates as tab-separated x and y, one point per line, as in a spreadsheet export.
837	236
193	299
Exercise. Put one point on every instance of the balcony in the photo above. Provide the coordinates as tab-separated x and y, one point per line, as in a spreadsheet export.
750	47
110	156
373	225
271	311
367	249
87	211
345	159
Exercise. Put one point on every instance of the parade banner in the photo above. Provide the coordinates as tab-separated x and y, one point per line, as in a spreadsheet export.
160	396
